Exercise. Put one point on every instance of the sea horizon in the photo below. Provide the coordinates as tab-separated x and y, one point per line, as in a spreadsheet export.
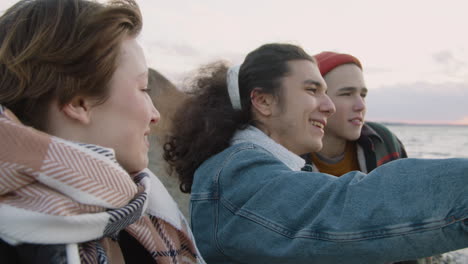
410	123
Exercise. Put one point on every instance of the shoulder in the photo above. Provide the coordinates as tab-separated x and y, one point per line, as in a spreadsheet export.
379	130
239	156
387	143
236	165
233	155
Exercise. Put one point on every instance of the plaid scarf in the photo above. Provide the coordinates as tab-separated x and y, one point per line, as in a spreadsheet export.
53	191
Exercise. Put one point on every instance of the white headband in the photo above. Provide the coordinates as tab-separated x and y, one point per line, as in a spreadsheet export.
232	80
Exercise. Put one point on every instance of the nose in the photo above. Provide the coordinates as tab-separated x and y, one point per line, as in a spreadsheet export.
155	116
360	104
327	106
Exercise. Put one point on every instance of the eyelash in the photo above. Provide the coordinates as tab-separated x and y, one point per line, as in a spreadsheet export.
146	90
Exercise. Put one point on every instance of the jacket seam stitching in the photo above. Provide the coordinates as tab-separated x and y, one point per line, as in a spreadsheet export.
217	193
319	235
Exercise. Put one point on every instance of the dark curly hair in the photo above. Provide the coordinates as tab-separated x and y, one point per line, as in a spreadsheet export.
207	121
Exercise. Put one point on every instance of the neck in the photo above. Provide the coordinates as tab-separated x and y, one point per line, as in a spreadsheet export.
332	147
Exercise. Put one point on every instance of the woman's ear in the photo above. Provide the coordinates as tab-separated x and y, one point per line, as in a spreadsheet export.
262	102
78	109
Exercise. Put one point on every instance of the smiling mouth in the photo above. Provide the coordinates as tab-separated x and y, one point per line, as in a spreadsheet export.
318	124
356	121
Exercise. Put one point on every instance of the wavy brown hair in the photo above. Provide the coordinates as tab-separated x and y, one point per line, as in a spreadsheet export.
58	49
206	122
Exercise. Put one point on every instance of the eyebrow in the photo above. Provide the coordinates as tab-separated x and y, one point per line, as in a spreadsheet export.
351	89
312	82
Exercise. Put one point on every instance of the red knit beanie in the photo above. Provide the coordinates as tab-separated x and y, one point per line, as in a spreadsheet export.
328	61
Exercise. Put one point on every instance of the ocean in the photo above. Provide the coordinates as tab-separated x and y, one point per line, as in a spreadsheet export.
436	142
433	141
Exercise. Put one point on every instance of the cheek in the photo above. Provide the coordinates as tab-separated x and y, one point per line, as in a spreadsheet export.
336	122
135	107
343	108
341	113
333	124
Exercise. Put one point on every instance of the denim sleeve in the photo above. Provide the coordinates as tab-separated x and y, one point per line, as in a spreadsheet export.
405	209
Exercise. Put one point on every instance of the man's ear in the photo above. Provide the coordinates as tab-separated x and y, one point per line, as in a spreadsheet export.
78	109
262	102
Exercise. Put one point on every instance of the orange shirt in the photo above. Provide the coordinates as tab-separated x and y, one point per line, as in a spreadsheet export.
347	164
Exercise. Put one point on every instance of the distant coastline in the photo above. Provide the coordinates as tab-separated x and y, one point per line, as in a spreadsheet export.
387	123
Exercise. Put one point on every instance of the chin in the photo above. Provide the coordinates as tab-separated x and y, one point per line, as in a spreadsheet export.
317	146
351	138
354	137
135	167
135	170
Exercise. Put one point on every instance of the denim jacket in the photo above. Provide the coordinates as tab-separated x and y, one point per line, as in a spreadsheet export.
248	205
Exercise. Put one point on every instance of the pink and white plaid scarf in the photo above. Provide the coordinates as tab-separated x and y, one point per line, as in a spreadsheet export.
53	191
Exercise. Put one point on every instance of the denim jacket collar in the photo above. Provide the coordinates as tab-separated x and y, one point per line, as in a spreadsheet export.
255	136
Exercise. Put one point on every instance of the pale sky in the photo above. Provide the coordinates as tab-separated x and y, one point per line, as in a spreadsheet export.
414	52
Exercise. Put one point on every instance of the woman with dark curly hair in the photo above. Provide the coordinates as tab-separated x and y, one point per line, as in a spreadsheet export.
253	200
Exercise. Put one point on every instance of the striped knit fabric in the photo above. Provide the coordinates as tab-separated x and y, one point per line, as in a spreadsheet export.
56	192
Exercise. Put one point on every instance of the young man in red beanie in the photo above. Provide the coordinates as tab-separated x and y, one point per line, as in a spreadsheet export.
349	142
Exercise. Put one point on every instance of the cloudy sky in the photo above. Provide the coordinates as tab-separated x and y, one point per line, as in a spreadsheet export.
415	53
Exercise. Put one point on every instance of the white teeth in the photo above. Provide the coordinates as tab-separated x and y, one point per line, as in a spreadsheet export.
317	124
356	121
